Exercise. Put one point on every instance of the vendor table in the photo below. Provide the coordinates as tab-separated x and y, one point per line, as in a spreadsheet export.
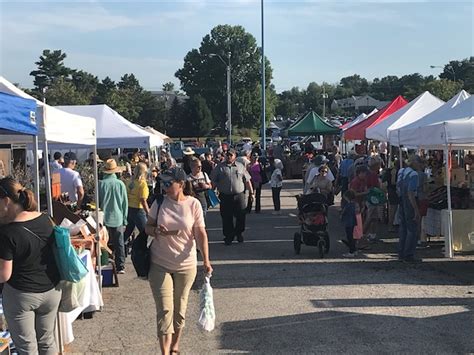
91	300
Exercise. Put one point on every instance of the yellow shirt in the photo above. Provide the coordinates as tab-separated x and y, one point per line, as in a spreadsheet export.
138	192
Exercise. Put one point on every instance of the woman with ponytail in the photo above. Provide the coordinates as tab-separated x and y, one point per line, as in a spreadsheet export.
31	294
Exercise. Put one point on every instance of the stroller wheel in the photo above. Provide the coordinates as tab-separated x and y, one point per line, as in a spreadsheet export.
321	247
297	243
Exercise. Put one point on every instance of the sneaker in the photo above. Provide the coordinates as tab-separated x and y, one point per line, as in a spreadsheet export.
372	237
121	271
240	238
349	255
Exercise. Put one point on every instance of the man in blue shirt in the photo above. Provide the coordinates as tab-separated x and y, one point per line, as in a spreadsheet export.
113	201
344	171
407	187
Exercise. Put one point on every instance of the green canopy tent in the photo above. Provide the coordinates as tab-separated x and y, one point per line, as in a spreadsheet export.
310	125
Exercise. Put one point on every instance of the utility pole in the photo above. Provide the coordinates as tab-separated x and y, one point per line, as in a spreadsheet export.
324	96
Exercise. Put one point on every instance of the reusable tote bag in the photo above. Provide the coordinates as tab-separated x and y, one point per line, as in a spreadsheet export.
213	199
71	267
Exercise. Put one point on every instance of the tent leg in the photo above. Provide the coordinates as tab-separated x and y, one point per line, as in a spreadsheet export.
36	171
97	231
49	197
448	240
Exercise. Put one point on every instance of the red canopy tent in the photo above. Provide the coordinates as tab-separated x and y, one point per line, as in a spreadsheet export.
358	131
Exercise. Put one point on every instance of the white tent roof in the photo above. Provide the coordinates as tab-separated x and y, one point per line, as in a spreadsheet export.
164	137
356	120
437	115
113	130
416	109
454	126
56	125
155	139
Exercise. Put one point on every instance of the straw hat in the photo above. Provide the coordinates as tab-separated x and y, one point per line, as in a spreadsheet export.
111	167
189	151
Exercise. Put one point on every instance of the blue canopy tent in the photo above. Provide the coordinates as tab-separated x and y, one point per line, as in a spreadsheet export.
17	115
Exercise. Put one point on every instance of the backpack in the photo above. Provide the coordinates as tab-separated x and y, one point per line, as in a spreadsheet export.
141	255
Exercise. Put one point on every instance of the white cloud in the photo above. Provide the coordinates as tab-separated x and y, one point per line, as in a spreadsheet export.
88	17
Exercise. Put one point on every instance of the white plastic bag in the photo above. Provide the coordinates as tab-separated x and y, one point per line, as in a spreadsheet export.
207	314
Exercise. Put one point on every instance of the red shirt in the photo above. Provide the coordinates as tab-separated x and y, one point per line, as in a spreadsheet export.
358	185
372	180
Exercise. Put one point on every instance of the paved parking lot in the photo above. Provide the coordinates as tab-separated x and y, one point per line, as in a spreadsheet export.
270	301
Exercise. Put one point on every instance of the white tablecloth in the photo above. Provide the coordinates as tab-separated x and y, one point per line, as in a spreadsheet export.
91	301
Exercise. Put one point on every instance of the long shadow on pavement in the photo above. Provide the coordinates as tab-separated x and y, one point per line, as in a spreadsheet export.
445	330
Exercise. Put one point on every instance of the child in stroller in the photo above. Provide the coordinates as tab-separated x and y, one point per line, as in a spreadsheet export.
314	221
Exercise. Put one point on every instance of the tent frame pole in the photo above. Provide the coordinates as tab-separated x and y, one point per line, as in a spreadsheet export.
448	240
36	172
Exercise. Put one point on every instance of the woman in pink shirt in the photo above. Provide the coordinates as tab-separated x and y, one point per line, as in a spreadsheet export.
255	171
176	225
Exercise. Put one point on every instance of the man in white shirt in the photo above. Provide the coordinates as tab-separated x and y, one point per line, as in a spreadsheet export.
71	180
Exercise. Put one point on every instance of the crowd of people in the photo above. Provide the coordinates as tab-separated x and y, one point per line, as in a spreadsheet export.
358	177
169	202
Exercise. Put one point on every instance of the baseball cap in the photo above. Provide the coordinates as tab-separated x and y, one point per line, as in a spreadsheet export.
173	174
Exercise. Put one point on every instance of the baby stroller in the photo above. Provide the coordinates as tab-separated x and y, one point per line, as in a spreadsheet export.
313	220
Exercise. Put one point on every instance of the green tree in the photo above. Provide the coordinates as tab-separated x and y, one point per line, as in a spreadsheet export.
173	118
444	88
169	86
204	73
50	67
63	92
354	84
153	111
198	118
86	84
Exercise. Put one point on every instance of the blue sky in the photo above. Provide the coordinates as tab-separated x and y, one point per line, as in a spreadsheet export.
304	40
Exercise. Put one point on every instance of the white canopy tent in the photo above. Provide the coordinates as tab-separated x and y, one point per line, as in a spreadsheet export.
454	129
356	120
413	134
54	126
416	109
164	137
113	130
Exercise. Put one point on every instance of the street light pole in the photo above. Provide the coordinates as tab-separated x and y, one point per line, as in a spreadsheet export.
264	143
229	105
449	68
324	96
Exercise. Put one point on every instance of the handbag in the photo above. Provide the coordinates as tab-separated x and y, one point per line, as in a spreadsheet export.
141	255
213	199
71	268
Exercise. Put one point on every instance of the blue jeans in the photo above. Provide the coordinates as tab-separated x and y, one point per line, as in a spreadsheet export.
116	237
136	218
408	230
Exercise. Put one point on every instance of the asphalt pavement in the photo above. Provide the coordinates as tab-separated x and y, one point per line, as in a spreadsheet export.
270	301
